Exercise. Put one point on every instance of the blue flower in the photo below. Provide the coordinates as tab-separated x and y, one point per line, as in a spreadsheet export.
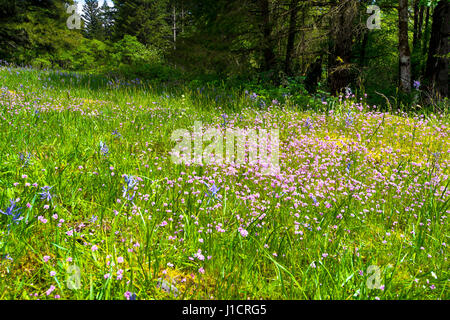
131	197
349	119
26	161
104	148
13	212
416	84
309	123
45	194
6	257
130	295
130	183
348	166
213	190
348	91
224	117
117	134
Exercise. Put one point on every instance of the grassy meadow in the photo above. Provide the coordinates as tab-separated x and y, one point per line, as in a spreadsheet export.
93	207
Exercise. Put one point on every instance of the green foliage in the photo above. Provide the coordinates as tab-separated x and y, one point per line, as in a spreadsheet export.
126	58
134	59
145	19
92	18
91	55
212	41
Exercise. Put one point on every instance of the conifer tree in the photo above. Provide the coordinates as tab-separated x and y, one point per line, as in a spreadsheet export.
108	17
93	27
148	20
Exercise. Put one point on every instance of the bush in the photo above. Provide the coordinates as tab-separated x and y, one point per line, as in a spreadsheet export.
41	63
131	58
91	55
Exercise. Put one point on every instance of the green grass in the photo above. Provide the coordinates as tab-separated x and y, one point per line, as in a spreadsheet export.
394	198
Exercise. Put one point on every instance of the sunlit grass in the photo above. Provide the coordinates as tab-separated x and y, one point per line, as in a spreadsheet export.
357	188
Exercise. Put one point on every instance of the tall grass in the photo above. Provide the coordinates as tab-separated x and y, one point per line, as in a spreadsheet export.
358	188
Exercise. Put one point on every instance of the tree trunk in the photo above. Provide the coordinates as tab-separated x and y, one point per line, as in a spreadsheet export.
174	28
362	57
437	64
416	23
425	37
342	30
313	75
267	47
182	18
404	52
420	26
291	35
417	40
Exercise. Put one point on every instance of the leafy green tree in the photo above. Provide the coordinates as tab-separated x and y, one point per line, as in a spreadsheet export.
145	19
35	32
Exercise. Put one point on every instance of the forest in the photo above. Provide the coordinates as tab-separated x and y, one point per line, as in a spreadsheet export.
314	46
